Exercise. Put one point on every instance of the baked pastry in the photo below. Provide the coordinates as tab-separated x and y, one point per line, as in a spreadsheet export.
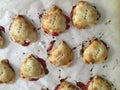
84	15
99	83
33	68
1	42
66	86
54	21
7	74
2	29
96	51
62	55
22	31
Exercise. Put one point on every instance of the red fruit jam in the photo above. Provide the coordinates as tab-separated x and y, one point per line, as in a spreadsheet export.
2	28
57	87
50	46
54	34
26	43
83	86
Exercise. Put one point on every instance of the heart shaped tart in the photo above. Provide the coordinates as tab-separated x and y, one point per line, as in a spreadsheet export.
22	31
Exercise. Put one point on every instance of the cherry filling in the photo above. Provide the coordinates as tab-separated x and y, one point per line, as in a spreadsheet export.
71	14
43	64
2	28
51	45
33	79
26	43
83	86
57	87
67	22
54	34
44	67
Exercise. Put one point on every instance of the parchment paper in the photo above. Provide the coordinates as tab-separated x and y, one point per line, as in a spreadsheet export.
79	71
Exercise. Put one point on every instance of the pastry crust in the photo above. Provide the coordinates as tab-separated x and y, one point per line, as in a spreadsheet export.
31	68
1	42
96	51
54	21
66	86
22	31
84	15
62	55
99	83
7	74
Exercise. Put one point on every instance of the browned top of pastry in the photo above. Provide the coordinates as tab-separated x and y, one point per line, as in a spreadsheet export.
62	55
54	21
99	83
96	51
84	15
22	31
7	74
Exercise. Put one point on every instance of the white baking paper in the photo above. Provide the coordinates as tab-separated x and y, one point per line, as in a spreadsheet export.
79	71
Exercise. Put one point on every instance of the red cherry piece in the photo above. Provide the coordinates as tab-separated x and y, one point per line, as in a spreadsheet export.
26	43
2	28
33	79
67	22
67	27
83	86
57	87
51	45
43	64
67	19
54	34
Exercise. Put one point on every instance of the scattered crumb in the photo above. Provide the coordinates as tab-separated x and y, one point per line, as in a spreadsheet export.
105	66
101	34
59	74
44	89
44	9
39	28
38	50
40	16
23	53
108	22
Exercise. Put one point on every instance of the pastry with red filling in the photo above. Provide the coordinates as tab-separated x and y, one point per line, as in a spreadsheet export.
22	31
96	83
55	21
66	86
95	52
33	68
99	83
84	15
7	74
62	55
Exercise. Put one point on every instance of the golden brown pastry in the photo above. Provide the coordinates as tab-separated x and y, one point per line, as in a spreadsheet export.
96	51
84	15
7	74
1	42
2	29
54	21
22	31
62	55
66	86
99	83
32	68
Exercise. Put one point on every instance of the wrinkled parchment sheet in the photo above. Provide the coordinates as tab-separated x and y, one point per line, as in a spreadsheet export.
79	71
